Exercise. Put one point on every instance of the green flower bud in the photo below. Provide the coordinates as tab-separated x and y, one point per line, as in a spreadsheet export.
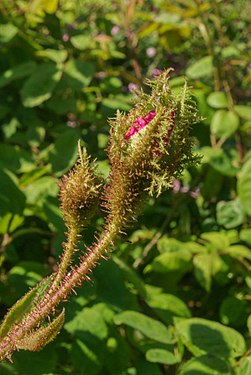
79	193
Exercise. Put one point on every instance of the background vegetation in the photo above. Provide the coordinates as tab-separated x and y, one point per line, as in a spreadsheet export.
175	298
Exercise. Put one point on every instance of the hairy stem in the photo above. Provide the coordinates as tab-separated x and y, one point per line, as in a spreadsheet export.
65	287
66	258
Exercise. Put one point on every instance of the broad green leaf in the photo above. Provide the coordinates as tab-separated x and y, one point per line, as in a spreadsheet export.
23	306
212	184
249	324
201	68
18	71
161	356
54	214
244	366
131	276
167	306
232	311
116	347
217	99
151	328
7	32
243	111
245	235
85	358
9	157
24	275
11	198
224	123
58	56
89	320
244	186
246	126
79	73
205	365
203	336
39	338
64	153
110	105
203	269
178	261
9	223
220	161
218	239
80	42
229	51
7	369
229	214
239	252
44	362
37	191
50	6
39	86
166	244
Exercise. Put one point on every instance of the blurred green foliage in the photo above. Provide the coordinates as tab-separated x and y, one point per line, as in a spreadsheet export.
176	298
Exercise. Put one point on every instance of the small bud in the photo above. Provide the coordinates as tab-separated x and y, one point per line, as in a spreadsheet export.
80	192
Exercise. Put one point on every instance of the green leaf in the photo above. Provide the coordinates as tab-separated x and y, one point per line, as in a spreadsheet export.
79	73
26	274
243	111
7	32
219	240
201	68
131	276
80	42
229	214
244	186
245	366
203	336
38	339
28	363
11	198
23	306
7	369
203	270
166	244
217	99
64	153
40	85
38	190
205	365
220	161
232	311
167	306
89	320
161	356
85	358
18	71
10	223
239	252
245	235
178	261
58	56
224	123
151	328
249	324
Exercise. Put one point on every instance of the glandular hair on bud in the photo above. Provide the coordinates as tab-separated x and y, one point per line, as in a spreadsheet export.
79	193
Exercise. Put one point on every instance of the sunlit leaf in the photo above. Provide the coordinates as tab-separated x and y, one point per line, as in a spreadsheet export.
203	336
40	85
149	327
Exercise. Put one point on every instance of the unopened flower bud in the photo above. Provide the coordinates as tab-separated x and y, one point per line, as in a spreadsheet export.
79	193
